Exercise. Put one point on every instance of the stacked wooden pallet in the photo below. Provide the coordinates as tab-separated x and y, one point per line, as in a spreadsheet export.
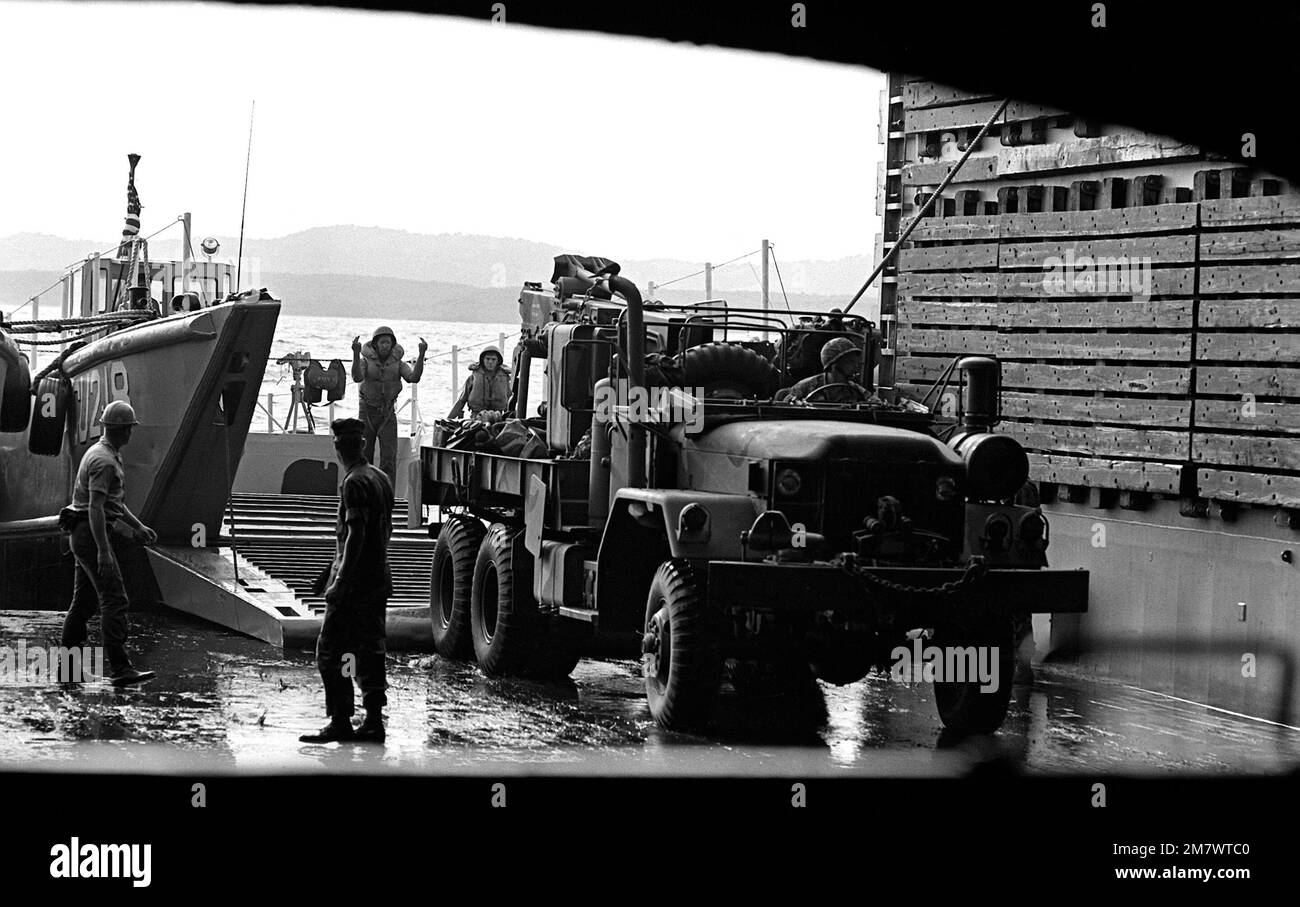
1095	380
1246	434
1149	332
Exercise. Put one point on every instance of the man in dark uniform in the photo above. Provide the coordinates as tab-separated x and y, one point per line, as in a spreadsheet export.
97	522
841	364
352	635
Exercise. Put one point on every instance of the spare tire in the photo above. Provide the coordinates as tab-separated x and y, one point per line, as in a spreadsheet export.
49	416
729	369
16	395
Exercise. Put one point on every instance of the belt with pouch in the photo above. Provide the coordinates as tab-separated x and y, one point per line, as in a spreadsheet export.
69	519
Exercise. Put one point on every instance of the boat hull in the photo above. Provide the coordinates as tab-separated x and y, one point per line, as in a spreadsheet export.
193	381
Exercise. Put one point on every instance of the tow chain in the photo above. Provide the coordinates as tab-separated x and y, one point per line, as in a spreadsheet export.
974	573
946	594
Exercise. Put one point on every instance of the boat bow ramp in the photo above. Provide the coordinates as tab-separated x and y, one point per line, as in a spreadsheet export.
258	578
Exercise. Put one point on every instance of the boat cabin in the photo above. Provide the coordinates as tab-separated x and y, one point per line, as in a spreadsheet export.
93	288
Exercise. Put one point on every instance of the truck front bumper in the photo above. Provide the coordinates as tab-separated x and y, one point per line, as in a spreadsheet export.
810	588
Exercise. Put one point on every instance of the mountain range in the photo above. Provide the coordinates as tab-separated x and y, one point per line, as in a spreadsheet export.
352	270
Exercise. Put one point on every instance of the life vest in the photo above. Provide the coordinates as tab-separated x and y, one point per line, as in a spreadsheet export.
381	382
488	392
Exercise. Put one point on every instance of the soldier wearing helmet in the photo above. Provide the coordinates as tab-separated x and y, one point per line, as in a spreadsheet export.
841	366
97	521
487	389
378	368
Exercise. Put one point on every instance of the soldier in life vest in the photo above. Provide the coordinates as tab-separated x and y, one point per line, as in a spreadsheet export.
841	364
487	388
378	368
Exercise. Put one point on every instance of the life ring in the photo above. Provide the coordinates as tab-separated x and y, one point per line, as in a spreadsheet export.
729	370
49	416
16	396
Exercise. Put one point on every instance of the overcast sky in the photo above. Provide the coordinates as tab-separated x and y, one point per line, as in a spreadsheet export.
613	146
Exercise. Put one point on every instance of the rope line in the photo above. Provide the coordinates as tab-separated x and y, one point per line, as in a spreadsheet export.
702	270
67	268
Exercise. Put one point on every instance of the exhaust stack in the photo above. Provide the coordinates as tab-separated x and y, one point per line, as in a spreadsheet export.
635	373
983	380
996	465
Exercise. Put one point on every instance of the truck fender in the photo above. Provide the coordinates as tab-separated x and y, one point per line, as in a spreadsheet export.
714	524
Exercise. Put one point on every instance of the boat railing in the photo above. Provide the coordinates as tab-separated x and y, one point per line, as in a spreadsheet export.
410	415
295	419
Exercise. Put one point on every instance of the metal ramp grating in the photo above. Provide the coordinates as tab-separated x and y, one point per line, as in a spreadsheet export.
291	538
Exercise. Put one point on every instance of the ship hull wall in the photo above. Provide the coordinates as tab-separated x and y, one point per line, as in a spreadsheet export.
1171	587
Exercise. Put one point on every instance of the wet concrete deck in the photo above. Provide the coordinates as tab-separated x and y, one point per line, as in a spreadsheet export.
226	702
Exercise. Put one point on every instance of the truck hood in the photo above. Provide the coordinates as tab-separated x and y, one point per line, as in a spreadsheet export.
821	439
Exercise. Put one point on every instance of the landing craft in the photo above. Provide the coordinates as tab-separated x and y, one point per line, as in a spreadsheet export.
180	342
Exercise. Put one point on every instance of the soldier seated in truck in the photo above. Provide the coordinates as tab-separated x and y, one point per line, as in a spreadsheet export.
841	364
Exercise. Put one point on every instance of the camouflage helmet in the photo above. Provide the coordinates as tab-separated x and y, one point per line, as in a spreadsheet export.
836	349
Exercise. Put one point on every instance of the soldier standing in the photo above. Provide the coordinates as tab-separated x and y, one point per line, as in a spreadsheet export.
378	367
97	520
352	635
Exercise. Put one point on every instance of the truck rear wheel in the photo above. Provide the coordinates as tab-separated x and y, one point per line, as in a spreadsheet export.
682	666
501	603
963	706
450	582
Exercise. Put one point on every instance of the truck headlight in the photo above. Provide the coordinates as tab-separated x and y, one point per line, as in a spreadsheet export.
1033	531
788	482
693	519
997	533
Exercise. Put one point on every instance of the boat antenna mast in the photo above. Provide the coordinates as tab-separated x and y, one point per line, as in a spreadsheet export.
243	210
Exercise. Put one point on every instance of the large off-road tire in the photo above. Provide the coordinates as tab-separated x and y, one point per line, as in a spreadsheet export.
503	614
963	707
682	665
450	584
729	370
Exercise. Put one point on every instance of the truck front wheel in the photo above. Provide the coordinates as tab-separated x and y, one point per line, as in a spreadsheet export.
450	582
501	603
979	705
681	663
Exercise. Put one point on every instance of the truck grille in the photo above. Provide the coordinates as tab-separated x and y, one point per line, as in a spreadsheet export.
852	489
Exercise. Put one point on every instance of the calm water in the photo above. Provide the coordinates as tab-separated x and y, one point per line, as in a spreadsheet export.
331	338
